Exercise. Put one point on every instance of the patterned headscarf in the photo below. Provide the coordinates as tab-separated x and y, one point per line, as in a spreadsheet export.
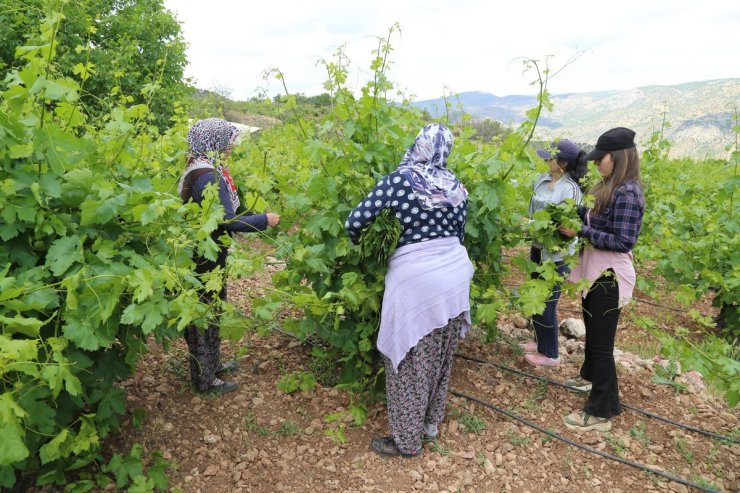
425	166
208	140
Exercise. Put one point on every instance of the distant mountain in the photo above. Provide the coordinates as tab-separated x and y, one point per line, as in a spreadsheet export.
700	114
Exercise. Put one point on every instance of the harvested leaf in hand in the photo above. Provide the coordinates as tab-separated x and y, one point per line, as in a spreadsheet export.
380	239
545	223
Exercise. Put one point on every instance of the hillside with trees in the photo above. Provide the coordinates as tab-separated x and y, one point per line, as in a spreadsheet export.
700	114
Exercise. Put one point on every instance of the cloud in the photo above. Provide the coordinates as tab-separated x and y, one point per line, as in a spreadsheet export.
461	44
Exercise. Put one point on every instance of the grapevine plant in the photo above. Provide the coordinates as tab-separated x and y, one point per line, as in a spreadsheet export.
336	161
545	224
691	236
693	231
96	259
97	246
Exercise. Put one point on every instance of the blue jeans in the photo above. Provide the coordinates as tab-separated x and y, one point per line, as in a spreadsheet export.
546	323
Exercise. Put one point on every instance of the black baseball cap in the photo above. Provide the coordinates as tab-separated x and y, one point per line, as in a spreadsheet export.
612	140
562	149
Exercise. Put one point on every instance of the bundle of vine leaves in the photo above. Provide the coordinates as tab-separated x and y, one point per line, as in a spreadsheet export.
545	223
379	240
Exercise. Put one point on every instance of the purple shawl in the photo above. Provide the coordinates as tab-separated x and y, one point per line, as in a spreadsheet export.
427	284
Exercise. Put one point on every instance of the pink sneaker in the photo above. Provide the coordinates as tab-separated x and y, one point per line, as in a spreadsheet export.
529	347
540	359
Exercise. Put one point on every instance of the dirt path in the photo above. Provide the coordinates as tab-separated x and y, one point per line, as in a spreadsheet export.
260	439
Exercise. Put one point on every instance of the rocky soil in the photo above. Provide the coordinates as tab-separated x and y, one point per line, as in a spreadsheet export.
259	439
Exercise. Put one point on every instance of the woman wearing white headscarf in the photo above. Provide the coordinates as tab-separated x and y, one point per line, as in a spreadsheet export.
210	141
426	305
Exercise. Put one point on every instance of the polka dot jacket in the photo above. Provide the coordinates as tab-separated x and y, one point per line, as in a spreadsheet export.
395	192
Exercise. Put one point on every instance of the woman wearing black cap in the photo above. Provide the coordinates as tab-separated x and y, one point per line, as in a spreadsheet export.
567	163
610	229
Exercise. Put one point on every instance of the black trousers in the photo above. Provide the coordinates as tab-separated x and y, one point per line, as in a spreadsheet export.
204	345
600	315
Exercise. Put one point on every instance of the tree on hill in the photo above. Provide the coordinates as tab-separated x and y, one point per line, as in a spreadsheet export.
489	130
131	48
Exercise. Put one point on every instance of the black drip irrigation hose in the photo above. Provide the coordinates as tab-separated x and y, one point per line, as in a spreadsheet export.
581	446
286	333
625	405
560	384
560	437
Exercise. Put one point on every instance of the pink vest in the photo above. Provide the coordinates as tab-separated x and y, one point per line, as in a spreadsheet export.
594	262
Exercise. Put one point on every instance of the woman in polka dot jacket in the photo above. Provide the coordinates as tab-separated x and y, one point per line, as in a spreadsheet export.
396	191
426	303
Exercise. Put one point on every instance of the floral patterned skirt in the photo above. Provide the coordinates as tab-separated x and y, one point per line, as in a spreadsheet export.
418	392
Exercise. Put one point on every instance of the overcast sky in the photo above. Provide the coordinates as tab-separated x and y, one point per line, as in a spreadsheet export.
461	45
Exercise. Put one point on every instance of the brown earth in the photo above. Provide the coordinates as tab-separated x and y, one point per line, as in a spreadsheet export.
259	439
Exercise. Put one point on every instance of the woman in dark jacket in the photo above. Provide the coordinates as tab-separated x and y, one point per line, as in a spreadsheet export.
210	142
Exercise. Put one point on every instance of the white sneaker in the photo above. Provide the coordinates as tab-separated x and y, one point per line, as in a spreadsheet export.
578	384
582	421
